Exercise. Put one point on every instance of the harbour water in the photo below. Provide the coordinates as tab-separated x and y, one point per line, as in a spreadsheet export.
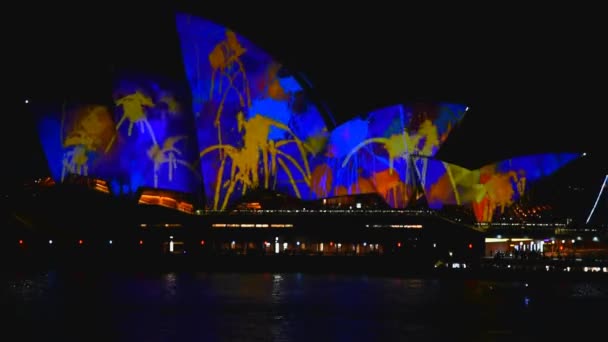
197	306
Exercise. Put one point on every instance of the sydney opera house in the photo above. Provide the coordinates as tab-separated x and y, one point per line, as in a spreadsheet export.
247	126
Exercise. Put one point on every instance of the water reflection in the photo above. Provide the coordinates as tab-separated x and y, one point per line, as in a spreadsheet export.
276	288
289	307
279	329
170	286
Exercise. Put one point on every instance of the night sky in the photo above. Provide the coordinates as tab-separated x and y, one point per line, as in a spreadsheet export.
533	78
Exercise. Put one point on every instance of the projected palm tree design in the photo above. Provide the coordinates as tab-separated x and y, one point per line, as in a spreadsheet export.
173	106
91	127
133	107
402	146
245	160
225	61
397	146
167	154
75	160
427	132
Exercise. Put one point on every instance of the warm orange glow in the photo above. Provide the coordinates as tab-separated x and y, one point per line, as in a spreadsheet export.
322	180
101	185
362	186
48	181
149	199
80	242
399	244
185	207
167	201
441	191
254	205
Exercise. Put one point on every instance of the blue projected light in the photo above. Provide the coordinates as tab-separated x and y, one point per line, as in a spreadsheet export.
255	126
496	185
376	154
249	124
534	167
145	139
447	184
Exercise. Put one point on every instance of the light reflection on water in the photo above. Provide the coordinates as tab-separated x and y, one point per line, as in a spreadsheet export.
170	286
288	307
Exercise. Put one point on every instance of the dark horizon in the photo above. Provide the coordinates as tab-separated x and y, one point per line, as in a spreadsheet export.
528	86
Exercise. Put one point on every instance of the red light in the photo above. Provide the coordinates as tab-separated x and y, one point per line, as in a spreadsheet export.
331	243
265	243
399	244
561	248
80	242
470	246
21	242
141	242
202	242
